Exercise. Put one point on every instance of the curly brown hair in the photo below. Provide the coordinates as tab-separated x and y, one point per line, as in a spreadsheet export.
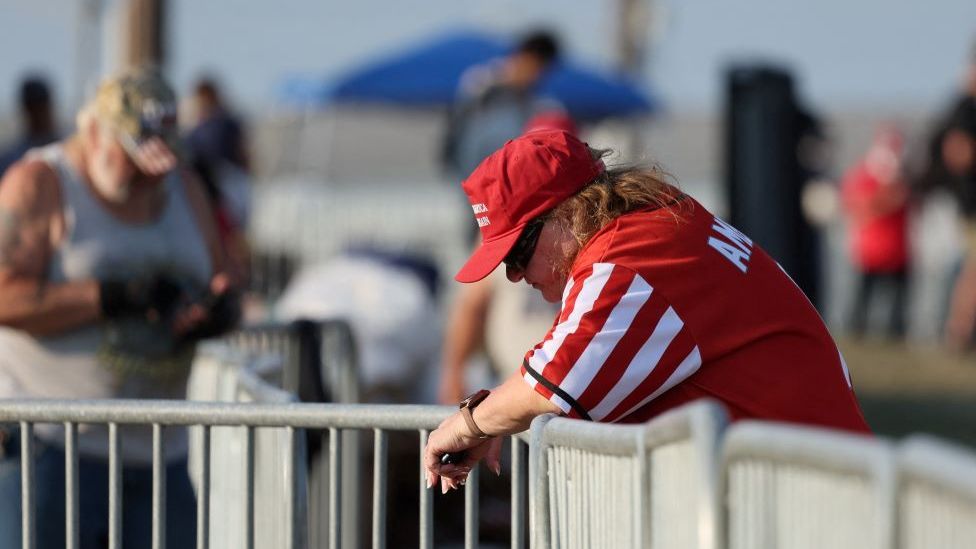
616	191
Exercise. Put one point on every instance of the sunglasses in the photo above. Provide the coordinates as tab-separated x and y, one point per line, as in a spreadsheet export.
521	253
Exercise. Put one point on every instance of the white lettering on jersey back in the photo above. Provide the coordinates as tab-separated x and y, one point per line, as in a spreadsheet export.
482	221
735	246
479	208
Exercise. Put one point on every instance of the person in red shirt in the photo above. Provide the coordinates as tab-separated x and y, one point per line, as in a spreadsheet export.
875	197
662	303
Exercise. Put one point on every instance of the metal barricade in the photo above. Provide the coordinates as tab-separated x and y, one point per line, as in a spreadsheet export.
617	486
319	365
794	487
267	458
936	495
249	418
248	458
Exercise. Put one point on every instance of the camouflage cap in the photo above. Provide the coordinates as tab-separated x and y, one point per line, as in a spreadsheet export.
139	105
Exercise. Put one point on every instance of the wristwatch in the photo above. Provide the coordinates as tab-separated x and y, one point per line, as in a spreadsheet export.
468	405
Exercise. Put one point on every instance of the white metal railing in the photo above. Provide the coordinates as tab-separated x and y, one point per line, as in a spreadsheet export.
380	419
681	480
793	487
618	486
248	458
319	364
233	457
937	495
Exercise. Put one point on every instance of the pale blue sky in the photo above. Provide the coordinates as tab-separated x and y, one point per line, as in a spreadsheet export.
846	53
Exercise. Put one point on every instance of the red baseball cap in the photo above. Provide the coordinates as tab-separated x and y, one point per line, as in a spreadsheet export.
526	178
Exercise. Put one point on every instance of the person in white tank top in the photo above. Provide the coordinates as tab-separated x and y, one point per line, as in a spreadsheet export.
110	269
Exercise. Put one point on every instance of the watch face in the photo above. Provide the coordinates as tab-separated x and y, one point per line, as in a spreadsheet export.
473	399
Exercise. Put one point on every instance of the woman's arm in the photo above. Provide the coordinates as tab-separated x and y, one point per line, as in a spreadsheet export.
510	408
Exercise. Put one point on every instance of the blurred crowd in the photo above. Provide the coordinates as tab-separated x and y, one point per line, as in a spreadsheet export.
882	195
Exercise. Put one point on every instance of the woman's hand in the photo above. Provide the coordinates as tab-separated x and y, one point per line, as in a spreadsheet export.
453	436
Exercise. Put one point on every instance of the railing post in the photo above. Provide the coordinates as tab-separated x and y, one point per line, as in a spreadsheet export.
379	488
159	489
471	509
27	518
203	491
539	484
519	489
114	488
71	485
426	501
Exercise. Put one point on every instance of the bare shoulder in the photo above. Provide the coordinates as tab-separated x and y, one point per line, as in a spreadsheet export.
30	187
29	206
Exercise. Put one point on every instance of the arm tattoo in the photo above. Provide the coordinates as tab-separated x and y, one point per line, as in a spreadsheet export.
10	241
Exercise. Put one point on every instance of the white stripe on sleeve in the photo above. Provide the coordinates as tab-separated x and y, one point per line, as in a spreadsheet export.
643	363
591	360
566	290
558	401
688	366
592	287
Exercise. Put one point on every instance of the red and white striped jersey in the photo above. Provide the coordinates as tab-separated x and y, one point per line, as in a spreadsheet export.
666	306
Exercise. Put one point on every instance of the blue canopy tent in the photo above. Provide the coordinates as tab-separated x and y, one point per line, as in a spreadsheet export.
428	76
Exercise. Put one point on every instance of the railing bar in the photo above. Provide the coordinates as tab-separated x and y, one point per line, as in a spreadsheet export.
159	489
114	488
71	485
320	499
518	494
379	488
291	494
335	488
471	509
27	519
426	501
167	412
249	487
203	496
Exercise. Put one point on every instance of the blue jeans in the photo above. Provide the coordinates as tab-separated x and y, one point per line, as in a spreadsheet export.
93	478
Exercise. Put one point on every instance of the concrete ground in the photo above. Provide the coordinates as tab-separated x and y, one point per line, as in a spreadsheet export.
905	388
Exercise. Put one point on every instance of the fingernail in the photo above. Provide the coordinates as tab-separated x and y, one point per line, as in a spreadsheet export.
427	477
497	469
443	488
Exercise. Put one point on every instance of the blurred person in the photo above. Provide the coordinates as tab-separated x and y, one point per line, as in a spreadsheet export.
952	165
390	300
217	149
662	304
110	271
492	315
37	111
875	196
495	100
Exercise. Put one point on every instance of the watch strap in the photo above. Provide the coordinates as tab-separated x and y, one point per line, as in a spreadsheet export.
469	419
